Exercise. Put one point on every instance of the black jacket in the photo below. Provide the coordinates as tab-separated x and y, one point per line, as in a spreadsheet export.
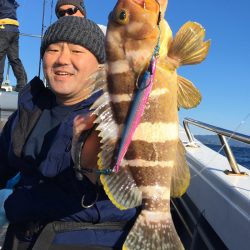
50	191
8	9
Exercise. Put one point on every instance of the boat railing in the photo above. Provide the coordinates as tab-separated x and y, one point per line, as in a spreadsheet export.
223	134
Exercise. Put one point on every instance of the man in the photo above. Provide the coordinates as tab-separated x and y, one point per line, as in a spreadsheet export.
49	205
9	39
73	8
70	8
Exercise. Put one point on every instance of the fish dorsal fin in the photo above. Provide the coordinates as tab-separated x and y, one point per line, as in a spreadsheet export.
120	187
98	79
188	46
181	174
188	95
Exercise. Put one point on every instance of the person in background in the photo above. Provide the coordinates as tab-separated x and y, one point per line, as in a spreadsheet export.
73	8
70	8
49	205
9	42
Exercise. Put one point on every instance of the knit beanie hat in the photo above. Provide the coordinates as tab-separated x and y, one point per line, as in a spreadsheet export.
76	30
78	3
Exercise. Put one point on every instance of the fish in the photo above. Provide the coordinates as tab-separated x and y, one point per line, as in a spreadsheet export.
142	160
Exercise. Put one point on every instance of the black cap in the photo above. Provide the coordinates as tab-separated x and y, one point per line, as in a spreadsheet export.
76	30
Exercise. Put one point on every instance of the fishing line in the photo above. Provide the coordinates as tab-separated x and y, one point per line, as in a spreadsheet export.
222	147
42	32
51	11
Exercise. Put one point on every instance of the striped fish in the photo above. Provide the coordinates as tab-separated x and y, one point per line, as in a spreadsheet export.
154	166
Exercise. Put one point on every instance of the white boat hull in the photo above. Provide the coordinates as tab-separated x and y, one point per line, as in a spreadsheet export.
8	101
223	200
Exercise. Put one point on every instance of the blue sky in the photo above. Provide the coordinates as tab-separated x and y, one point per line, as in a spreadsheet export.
223	78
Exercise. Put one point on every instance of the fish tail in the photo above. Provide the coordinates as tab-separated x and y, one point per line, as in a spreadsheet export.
188	46
153	231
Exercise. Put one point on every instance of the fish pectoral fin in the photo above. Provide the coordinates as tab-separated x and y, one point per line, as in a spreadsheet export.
181	174
188	95
188	46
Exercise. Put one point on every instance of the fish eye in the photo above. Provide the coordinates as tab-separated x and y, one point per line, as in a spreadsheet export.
121	16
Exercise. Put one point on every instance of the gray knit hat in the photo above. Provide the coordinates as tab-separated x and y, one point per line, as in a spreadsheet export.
76	30
78	3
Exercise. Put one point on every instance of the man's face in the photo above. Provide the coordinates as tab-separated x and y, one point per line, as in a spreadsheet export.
68	10
67	67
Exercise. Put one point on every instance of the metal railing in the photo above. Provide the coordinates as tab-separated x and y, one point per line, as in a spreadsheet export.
223	134
30	35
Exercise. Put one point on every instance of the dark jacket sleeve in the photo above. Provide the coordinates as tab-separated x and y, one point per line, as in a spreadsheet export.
6	172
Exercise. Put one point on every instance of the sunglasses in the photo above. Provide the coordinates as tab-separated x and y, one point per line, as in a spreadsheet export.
70	12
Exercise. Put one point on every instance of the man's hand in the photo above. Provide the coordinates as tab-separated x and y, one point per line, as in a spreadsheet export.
81	123
85	155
